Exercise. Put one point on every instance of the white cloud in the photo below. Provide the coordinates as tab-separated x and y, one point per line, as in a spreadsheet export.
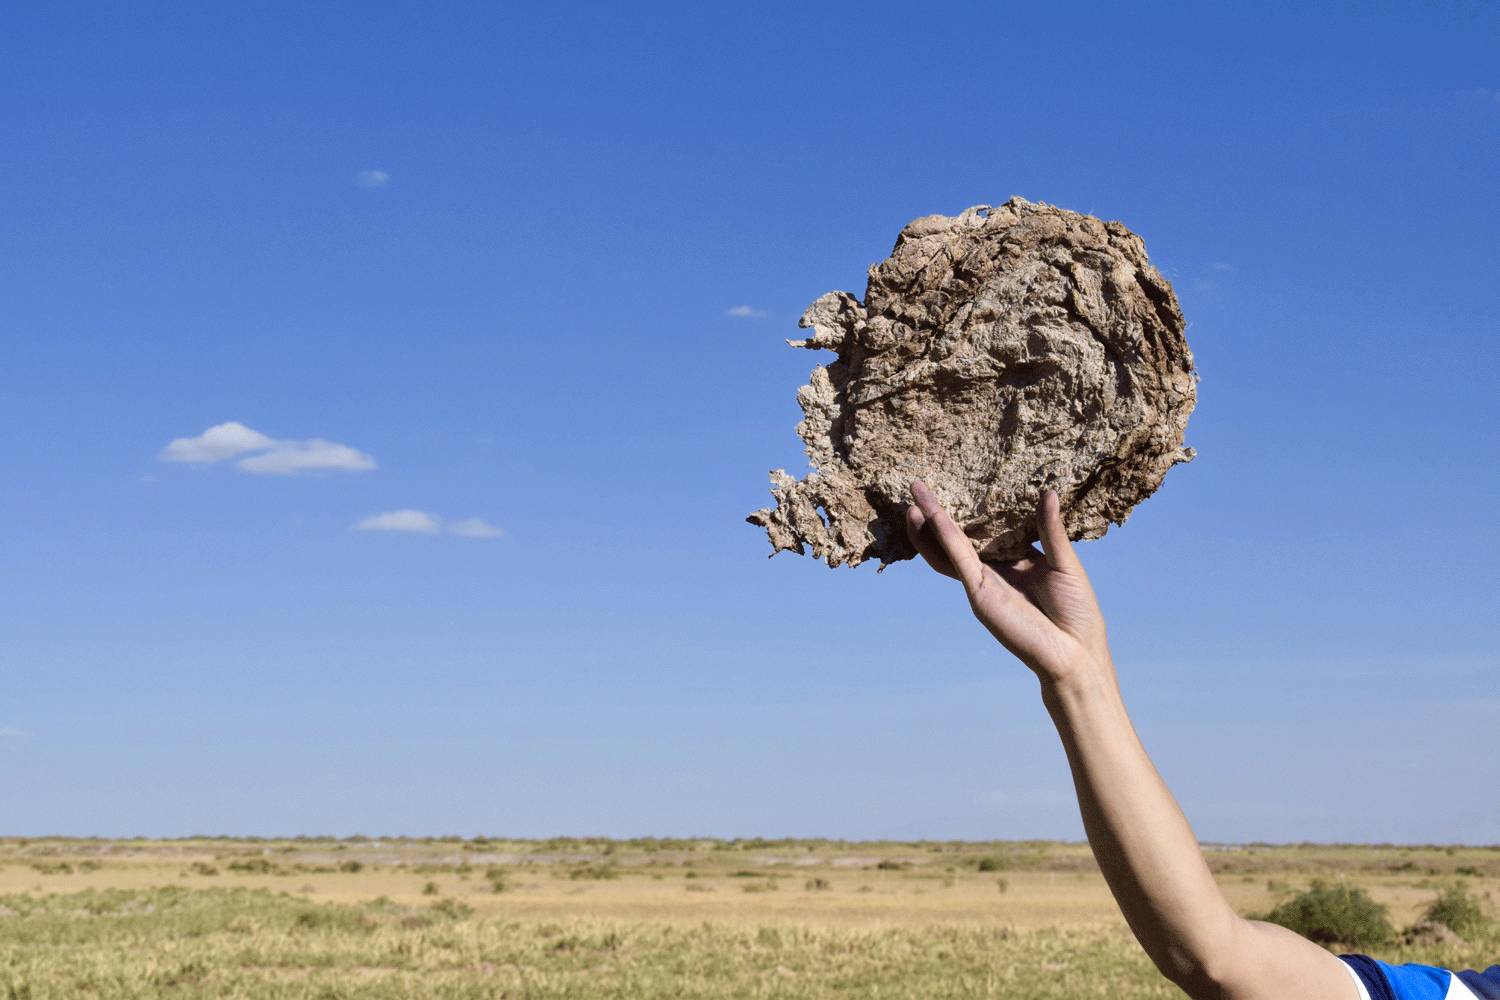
219	442
420	522
744	312
11	733
275	457
371	179
474	527
417	521
290	457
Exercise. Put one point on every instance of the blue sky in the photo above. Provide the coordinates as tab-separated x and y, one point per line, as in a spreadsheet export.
484	264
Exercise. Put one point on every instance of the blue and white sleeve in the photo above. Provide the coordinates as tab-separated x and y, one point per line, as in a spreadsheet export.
1381	981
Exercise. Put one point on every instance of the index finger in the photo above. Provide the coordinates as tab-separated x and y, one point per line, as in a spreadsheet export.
925	542
1059	550
955	544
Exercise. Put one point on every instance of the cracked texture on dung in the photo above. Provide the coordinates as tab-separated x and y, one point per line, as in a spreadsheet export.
996	354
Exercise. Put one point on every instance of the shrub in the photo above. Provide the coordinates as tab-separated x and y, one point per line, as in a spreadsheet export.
1334	913
452	909
818	884
991	864
1458	911
593	872
337	919
430	889
1003	884
892	866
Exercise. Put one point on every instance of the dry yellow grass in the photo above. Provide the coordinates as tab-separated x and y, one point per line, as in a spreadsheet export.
363	917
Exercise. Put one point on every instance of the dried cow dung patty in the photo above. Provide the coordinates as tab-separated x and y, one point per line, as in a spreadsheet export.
997	354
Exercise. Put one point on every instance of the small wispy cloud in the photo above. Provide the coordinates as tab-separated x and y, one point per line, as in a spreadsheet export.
288	458
265	455
421	522
1210	276
474	527
219	442
1490	94
744	312
414	521
11	733
370	180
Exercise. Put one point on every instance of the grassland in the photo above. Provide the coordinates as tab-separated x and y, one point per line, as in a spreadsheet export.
585	918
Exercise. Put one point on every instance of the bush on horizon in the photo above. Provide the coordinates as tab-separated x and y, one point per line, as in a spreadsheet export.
1335	913
1457	910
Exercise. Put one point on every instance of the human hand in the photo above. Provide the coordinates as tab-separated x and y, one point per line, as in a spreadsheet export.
1041	606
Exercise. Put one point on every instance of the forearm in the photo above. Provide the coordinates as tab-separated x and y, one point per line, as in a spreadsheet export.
1142	841
1042	608
1157	871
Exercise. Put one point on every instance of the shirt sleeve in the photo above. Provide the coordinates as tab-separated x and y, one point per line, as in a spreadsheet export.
1484	985
1382	981
1364	993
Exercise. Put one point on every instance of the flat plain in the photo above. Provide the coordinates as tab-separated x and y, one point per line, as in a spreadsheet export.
494	918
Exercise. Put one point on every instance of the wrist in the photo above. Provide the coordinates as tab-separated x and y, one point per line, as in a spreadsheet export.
1084	680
